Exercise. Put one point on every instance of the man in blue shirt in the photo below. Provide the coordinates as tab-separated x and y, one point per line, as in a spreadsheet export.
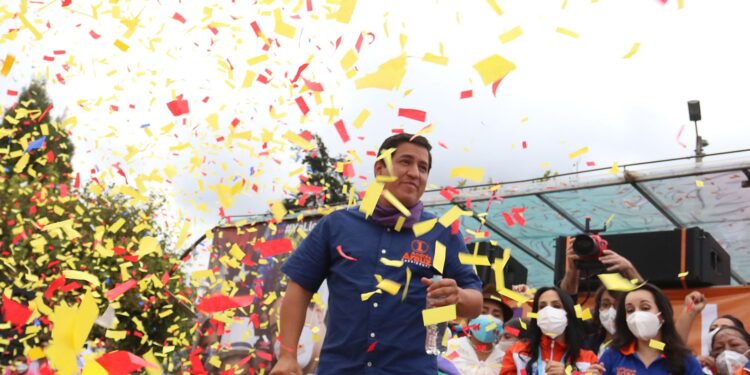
377	333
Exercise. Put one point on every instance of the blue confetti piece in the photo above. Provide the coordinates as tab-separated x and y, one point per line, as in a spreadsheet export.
36	144
145	126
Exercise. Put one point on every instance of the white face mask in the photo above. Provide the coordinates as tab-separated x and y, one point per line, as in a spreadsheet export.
504	345
644	325
21	367
730	361
552	321
607	317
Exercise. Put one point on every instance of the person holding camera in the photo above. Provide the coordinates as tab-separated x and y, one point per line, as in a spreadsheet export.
611	260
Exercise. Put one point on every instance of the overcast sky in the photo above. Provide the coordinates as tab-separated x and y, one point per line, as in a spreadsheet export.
570	89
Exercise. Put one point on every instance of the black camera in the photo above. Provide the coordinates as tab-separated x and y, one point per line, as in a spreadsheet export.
589	246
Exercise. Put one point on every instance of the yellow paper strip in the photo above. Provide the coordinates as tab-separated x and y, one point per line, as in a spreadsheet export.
632	51
579	152
8	64
80	275
495	7
518	297
615	281
366	296
682	274
439	259
399	223
567	32
361	118
510	35
298	140
452	215
423	227
435	59
532	315
389	286
116	335
391	263
439	314
477	260
372	195
281	27
408	280
656	344
469	173
388	76
121	45
493	68
395	203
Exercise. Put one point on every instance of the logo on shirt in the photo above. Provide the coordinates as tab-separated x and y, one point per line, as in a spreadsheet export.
419	254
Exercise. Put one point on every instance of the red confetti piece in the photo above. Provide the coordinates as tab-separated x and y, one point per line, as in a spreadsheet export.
397	131
349	170
302	105
220	302
494	87
343	255
66	3
299	72
590	164
441	144
12	92
16	313
508	219
413	114
94	34
121	362
341	129
178	106
453	355
313	86
512	331
54	286
256	29
72	286
274	247
679	134
359	42
455	227
309	5
372	347
178	17
118	290
523	144
467	94
264	355
519	219
48	58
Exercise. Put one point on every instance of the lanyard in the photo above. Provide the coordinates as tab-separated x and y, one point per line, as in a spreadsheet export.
539	364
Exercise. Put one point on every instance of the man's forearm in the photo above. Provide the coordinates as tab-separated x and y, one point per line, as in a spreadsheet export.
469	303
292	317
569	282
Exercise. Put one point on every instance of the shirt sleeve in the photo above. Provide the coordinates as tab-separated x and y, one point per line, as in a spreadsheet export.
607	360
692	366
463	273
509	365
309	264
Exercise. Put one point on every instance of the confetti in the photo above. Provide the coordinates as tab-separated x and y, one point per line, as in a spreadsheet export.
389	286
632	51
413	114
511	35
469	173
656	344
495	7
344	255
564	31
388	76
372	195
7	64
578	152
477	260
494	68
615	281
274	247
423	227
439	259
437	315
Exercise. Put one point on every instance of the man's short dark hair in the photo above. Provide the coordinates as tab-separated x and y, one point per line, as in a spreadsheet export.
395	140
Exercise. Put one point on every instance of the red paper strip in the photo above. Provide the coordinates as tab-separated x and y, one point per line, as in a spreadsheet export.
467	94
118	290
523	144
220	302
313	86
94	34
16	313
508	219
512	331
372	347
178	106
299	72
302	105
494	87
178	17
342	130
54	286
344	255
274	247
413	114
358	45
121	362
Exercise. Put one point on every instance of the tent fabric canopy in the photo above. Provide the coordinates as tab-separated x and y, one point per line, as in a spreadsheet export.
644	197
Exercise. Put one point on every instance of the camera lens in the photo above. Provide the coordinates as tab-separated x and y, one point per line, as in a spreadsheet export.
584	246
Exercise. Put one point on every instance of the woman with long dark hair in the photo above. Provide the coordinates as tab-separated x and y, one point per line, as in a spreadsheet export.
555	340
601	328
645	321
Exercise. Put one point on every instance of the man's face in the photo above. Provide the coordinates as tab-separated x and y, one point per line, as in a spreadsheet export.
491	307
411	165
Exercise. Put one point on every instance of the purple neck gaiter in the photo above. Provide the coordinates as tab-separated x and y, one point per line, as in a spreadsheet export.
388	216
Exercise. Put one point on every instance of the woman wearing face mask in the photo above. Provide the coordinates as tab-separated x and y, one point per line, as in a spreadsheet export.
602	326
646	315
478	352
555	340
730	347
708	361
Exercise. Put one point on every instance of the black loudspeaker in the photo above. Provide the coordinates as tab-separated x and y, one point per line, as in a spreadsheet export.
515	273
694	110
657	257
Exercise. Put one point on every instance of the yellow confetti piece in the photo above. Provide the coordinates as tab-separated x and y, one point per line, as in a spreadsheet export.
35	353
122	46
532	315
477	260
406	288
278	210
452	215
388	76
579	312
116	335
148	245
656	344
435	59
156	368
518	297
117	225
361	118
81	275
469	173
699	183
568	370
511	34
495	7
282	28
567	32
391	263
586	314
372	195
615	168
439	259
632	51
345	11
680	4
349	59
8	64
437	315
579	152
366	296
683	274
399	223
236	252
423	227
257	59
494	68
389	286
395	203
92	367
298	140
615	281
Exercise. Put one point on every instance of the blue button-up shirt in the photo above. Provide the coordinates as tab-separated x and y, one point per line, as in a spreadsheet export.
627	362
382	335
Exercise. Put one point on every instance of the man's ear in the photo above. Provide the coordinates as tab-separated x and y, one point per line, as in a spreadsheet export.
379	168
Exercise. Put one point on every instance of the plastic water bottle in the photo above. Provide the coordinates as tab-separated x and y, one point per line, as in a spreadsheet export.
433	344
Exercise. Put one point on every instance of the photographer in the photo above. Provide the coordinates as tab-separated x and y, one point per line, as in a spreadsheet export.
613	261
